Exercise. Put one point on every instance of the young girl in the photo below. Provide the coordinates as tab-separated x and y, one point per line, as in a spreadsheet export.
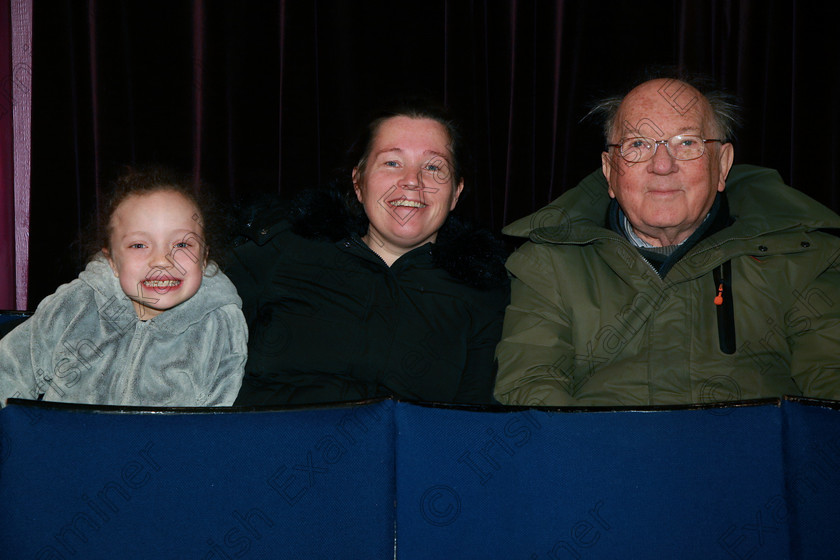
151	321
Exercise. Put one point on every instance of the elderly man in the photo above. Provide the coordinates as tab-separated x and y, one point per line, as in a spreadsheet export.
669	282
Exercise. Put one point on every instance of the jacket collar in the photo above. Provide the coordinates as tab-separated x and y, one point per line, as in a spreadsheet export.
579	215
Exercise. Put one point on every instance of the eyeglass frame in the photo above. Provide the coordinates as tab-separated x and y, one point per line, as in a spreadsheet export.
657	143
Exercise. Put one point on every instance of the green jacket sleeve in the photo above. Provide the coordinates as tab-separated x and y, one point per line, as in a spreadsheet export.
536	352
814	335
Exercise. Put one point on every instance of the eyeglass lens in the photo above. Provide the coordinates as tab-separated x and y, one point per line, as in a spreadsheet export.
681	147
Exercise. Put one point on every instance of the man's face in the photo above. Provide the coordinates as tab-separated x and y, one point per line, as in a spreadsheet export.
666	199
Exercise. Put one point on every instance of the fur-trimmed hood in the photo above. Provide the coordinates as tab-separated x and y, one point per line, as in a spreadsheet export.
471	255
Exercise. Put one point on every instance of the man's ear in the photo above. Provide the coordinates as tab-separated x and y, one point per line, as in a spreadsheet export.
356	176
725	159
606	169
456	194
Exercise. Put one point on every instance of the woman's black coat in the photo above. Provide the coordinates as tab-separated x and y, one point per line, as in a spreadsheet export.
330	321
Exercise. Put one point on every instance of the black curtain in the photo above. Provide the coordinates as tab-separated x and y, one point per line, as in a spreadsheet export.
264	97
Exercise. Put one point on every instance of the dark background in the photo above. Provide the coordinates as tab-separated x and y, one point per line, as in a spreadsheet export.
264	97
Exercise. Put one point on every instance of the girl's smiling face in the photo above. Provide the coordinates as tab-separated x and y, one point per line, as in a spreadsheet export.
157	250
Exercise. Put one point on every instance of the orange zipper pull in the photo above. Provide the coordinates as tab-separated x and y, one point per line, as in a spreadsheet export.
719	297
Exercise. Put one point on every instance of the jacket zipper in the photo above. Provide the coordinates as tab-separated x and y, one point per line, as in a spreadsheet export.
722	276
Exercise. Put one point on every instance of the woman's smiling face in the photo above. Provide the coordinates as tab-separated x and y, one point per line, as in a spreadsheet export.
156	250
407	186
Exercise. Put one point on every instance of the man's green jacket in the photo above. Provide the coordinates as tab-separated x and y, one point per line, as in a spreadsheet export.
591	323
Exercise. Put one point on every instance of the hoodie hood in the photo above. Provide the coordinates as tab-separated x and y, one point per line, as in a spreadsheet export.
216	290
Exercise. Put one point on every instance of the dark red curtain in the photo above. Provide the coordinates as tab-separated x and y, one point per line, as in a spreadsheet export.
7	191
265	96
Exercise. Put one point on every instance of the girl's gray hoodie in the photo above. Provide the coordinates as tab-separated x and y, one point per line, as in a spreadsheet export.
85	344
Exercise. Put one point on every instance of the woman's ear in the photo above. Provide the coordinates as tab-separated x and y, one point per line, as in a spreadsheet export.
456	194
356	176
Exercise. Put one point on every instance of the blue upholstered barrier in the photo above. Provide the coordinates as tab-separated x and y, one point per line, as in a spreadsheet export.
758	481
537	485
11	319
293	484
8	315
812	478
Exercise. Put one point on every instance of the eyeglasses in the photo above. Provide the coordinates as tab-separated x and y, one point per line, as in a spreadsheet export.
682	147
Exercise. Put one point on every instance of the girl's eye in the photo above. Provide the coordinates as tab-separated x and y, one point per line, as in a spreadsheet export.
432	167
182	245
136	246
390	163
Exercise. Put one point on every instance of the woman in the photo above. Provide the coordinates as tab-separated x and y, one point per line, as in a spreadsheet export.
376	293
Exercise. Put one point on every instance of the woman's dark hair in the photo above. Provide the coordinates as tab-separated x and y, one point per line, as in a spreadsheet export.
359	151
150	179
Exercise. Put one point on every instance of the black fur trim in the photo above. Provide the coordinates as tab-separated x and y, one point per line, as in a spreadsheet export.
253	218
471	255
323	214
